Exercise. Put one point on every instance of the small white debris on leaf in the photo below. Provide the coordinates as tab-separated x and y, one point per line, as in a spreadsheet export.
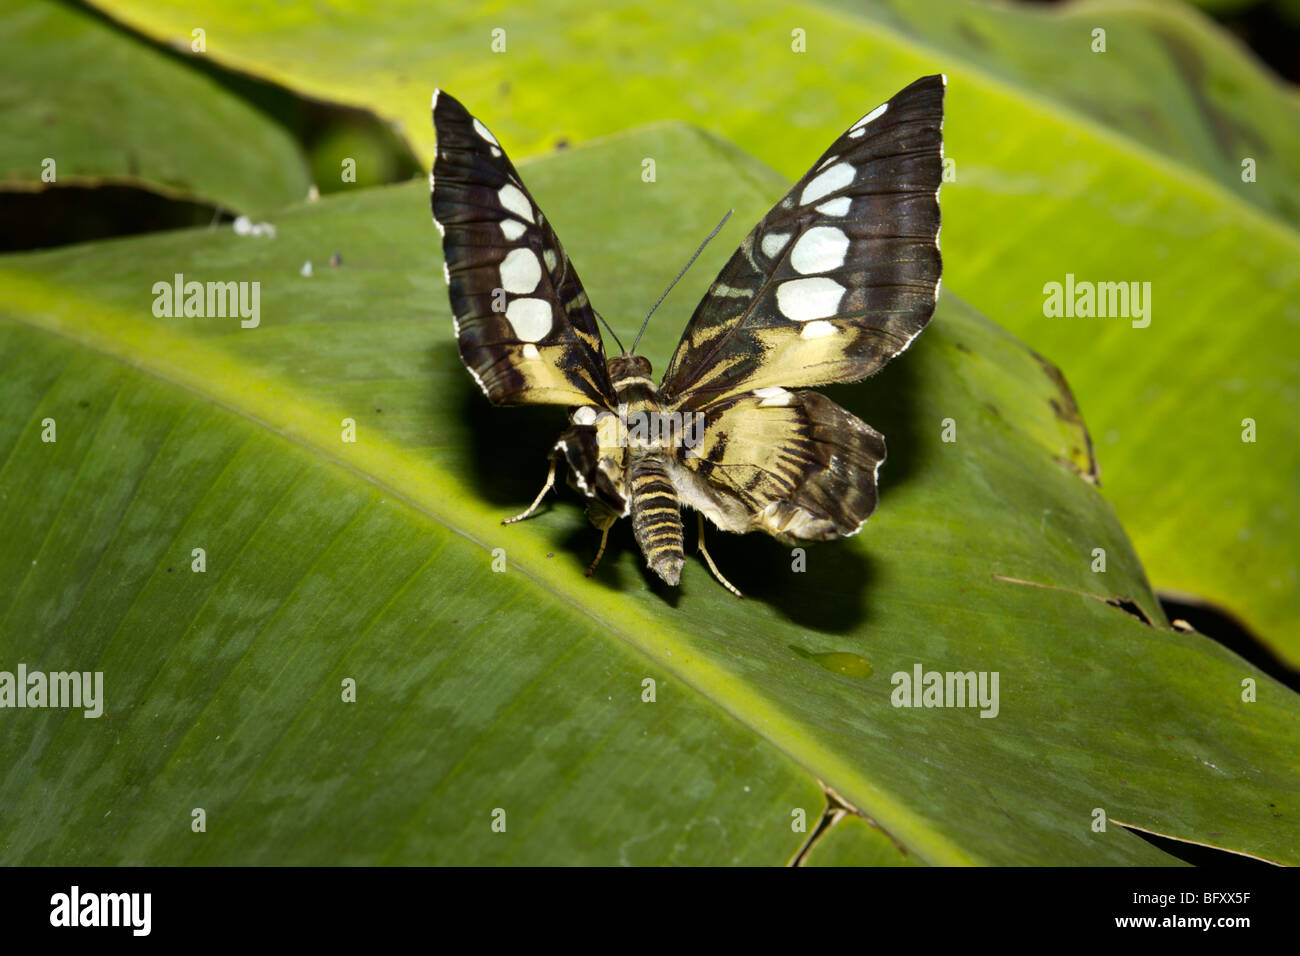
244	226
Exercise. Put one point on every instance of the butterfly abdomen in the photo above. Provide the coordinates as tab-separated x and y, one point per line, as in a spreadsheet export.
656	516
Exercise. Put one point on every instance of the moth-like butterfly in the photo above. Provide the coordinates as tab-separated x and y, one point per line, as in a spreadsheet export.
838	278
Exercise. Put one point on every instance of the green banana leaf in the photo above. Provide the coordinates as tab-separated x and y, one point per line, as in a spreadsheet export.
109	108
1123	166
519	696
1168	78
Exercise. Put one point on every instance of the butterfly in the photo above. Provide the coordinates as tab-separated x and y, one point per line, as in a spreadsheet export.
837	279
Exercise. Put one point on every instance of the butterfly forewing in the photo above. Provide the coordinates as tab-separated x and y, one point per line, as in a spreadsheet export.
524	325
839	276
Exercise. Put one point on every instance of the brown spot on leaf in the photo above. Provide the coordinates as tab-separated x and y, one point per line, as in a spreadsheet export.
1066	410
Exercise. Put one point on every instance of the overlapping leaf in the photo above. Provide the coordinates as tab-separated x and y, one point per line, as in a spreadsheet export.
105	107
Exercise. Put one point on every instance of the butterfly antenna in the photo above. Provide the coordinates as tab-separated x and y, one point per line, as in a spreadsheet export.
610	331
716	230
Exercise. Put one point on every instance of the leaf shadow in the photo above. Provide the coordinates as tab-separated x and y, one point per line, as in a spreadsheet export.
828	595
888	403
509	448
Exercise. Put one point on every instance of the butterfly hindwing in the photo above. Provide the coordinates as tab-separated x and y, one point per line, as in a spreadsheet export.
839	276
597	463
792	464
525	328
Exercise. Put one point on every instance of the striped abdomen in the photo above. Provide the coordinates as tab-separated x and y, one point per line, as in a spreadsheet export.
657	517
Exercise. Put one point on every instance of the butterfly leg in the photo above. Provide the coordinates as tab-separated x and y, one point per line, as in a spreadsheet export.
603	519
713	567
550	483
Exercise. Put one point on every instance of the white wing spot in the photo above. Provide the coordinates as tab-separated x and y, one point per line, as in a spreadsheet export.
513	199
805	299
485	132
512	229
446	273
772	395
838	207
586	415
530	351
817	330
827	161
774	242
551	259
875	114
837	177
520	271
530	318
430	180
820	249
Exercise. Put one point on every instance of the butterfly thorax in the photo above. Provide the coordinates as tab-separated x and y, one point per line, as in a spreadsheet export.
651	435
647	423
630	372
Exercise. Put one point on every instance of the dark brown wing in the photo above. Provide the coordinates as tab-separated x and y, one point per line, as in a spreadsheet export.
839	276
526	330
